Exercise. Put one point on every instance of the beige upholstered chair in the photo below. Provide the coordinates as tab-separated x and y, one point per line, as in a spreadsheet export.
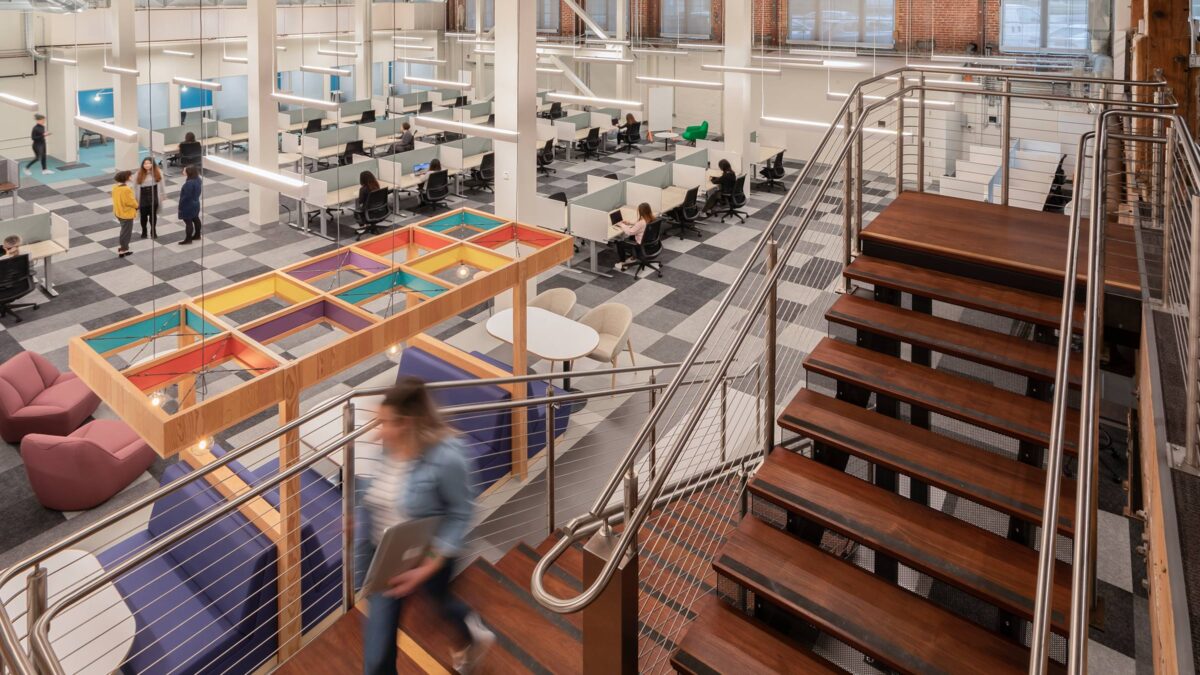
558	300
612	321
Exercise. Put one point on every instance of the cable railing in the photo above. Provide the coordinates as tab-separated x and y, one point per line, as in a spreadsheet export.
211	494
877	146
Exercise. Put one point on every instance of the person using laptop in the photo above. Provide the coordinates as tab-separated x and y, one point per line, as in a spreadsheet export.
634	231
424	474
406	142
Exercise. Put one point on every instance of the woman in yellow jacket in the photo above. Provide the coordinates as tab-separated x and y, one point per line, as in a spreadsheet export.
125	208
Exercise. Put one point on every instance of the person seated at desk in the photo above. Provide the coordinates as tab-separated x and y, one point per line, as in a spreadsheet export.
634	230
435	165
406	141
726	183
12	246
630	120
367	183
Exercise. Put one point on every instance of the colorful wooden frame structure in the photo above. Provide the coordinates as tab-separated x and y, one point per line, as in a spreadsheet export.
334	290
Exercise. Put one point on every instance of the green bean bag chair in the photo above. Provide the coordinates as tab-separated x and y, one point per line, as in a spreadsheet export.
696	133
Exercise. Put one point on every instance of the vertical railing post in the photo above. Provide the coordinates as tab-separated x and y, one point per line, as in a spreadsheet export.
858	174
653	427
35	606
551	414
1156	167
1193	346
348	489
610	623
900	137
848	200
772	334
1005	141
724	420
921	133
1167	219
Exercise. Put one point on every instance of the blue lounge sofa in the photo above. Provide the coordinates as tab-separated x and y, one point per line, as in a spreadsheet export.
206	605
536	418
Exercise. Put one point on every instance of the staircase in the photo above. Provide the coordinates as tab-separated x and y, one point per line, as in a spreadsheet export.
890	410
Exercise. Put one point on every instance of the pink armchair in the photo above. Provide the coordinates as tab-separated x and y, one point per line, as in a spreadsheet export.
85	469
36	398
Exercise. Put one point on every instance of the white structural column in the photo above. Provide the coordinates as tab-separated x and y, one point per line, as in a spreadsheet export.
264	112
60	109
363	72
480	59
623	34
124	54
515	106
736	119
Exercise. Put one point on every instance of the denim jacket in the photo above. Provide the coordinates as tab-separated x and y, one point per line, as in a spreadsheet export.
437	486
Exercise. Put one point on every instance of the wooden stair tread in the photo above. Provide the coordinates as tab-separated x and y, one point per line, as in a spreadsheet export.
994	569
1036	308
337	650
1003	237
980	345
990	479
892	625
976	403
723	640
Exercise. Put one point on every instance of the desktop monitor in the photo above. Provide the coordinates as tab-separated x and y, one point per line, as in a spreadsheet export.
368	116
460	101
426	107
418	168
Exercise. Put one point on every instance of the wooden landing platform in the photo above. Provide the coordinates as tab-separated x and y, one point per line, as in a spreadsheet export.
1003	237
338	651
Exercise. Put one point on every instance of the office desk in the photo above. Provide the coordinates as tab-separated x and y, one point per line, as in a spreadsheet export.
765	154
666	137
333	202
673	197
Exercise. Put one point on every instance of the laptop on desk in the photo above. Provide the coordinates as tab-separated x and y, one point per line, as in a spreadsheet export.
614	221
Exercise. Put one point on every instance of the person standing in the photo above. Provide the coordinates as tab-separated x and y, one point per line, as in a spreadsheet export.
38	135
189	204
149	195
424	473
125	207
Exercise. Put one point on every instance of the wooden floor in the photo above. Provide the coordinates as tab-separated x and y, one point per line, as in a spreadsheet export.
1002	236
338	651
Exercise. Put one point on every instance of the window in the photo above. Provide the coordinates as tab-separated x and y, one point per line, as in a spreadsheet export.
687	18
604	12
489	14
869	23
1050	25
547	15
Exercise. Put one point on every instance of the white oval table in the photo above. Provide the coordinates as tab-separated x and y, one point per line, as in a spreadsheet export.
548	335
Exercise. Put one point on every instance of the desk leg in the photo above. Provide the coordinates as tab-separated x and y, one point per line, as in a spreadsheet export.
593	267
47	280
566	380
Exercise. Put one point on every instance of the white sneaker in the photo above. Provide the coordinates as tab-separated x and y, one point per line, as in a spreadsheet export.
28	172
46	172
482	640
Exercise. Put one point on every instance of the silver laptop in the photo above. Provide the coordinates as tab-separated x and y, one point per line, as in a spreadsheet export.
401	550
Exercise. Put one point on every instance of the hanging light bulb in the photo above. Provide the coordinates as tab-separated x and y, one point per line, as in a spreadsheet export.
204	444
157	399
463	271
393	350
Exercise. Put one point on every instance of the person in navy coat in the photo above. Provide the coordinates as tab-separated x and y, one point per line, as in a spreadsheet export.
189	205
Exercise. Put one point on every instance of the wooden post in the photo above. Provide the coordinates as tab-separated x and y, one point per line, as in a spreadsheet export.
610	623
187	385
520	416
289	519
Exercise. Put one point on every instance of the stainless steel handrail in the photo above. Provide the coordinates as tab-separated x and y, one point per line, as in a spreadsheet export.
572	529
10	648
1085	505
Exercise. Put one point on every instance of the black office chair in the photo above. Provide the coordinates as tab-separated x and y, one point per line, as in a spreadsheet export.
647	252
491	120
483	175
375	212
545	158
733	201
555	111
435	190
352	148
559	197
367	116
629	137
591	144
773	172
683	217
16	281
191	154
313	126
426	107
460	101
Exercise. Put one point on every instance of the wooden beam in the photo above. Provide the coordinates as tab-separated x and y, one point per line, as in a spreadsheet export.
1165	46
230	485
520	364
289	516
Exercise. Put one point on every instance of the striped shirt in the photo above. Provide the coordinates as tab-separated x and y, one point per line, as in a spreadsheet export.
385	496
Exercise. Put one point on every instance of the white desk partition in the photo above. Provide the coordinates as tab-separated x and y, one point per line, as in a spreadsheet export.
735	160
546	131
389	171
639	193
456	154
642	165
568	126
687	176
291	142
550	214
690	156
589	213
597	183
366	134
316	191
600	120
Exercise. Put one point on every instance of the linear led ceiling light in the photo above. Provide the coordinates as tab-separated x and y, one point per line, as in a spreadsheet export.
345	42
414	59
750	70
467	128
235	59
993	60
292	99
701	46
407	38
603	59
62	60
118	70
334	52
106	129
549	70
291	186
427	82
563	97
178	52
825	53
322	70
280	48
658	52
460	35
198	84
477	41
673	82
876	97
415	48
19	102
957	83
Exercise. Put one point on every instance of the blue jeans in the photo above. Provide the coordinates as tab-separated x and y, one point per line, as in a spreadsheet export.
379	633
